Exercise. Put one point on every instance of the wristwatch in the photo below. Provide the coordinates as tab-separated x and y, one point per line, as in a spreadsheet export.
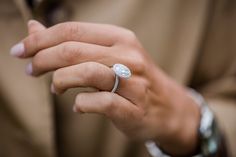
208	133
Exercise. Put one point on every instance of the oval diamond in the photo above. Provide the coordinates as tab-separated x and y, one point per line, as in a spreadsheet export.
121	70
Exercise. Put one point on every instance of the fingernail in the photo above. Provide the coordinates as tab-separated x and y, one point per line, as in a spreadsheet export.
74	109
29	69
17	50
53	89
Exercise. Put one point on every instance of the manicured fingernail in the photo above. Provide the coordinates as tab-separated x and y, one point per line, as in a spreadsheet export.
17	50
74	109
29	69
53	89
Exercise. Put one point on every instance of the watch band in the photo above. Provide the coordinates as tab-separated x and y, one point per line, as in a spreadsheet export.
209	133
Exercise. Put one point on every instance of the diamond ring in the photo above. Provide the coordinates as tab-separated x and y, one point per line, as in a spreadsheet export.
121	71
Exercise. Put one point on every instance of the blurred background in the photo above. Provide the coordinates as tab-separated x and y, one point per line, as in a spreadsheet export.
193	41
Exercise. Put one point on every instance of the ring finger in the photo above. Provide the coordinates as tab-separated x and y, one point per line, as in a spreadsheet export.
99	76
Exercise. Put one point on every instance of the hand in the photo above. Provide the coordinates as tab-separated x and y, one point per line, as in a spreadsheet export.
149	105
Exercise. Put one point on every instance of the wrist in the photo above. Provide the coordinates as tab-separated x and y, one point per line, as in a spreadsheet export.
184	125
210	141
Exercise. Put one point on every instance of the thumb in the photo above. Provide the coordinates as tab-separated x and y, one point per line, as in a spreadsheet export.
35	26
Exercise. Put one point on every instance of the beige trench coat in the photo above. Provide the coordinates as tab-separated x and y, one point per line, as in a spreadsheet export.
193	41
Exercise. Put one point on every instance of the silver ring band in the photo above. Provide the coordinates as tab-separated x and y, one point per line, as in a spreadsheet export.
115	84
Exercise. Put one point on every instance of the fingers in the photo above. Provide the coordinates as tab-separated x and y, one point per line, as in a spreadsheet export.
89	74
35	26
99	76
110	104
99	34
67	54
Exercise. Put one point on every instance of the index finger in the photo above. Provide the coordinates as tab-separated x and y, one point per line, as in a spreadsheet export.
100	34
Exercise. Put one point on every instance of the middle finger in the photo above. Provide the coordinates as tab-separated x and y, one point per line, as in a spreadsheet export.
67	54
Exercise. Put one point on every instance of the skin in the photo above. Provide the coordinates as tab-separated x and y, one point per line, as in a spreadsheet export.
149	105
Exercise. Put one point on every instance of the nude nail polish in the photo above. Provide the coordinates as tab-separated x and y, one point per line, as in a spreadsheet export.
29	69
53	89
74	109
17	50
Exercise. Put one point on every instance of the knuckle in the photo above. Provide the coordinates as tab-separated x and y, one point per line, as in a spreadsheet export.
139	62
145	86
130	36
37	61
93	71
69	52
140	65
92	67
71	30
33	40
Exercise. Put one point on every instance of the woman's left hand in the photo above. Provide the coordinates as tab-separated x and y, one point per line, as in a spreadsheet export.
149	105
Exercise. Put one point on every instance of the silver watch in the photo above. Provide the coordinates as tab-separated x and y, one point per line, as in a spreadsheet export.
209	134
